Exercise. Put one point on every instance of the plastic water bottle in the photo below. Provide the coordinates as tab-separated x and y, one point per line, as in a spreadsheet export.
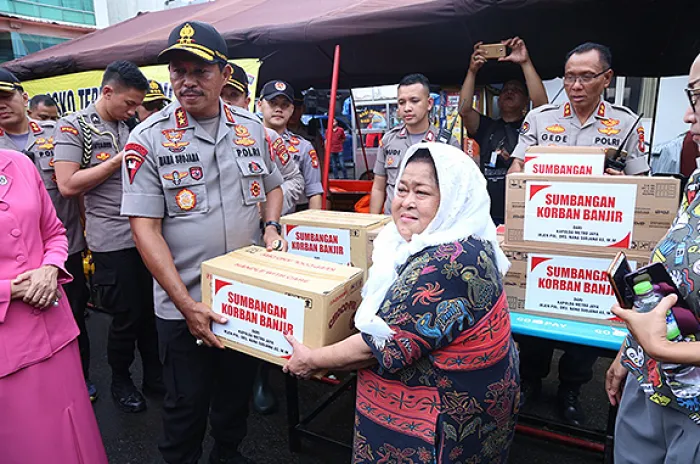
683	380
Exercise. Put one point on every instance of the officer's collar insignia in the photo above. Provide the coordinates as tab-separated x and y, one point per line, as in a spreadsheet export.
2	132
429	136
567	110
601	110
229	115
181	118
186	34
34	127
403	132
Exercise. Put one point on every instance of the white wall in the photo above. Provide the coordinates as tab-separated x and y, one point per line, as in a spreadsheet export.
672	106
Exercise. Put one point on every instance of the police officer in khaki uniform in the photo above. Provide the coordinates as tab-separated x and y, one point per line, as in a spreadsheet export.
586	120
35	139
277	105
87	162
154	101
415	103
194	175
235	93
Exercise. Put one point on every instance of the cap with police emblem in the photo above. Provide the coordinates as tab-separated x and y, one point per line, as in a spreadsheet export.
155	92
276	88
238	79
199	39
9	82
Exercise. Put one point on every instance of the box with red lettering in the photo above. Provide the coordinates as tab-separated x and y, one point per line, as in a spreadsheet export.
265	294
589	213
335	236
563	284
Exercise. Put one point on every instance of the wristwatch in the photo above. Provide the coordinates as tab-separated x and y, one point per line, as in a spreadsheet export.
276	224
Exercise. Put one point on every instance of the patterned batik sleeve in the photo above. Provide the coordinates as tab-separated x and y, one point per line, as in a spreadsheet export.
441	293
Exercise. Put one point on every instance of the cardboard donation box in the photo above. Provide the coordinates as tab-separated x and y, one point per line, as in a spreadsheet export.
335	236
582	161
567	284
264	294
591	213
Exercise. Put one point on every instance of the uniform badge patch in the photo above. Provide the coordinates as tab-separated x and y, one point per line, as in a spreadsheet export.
567	110
294	140
255	168
608	130
280	86
140	149
280	150
255	189
229	114
133	163
556	129
243	136
186	199
102	156
610	122
314	159
176	176
94	118
181	118
390	160
640	134
196	172
174	137
45	144
525	128
34	127
601	110
70	130
292	149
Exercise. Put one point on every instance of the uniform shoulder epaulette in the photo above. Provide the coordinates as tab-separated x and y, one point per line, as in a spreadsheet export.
390	134
625	109
244	113
46	125
155	118
547	107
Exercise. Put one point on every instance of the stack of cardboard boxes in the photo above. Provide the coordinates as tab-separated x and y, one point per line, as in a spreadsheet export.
563	230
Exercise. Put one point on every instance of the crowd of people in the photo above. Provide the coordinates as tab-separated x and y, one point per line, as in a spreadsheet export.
134	177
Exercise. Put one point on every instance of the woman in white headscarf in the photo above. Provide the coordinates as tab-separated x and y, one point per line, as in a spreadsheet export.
438	371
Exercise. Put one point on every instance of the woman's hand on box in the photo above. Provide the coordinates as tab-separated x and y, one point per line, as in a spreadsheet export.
301	363
199	319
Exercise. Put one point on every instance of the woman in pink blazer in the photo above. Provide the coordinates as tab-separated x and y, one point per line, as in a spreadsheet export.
45	413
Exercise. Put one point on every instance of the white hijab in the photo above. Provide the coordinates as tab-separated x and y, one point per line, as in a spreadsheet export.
464	211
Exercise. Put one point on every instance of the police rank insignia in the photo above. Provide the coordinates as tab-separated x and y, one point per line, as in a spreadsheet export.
174	137
601	110
186	199
102	156
133	163
34	127
556	129
196	172
176	176
255	189
640	134
254	168
229	115
314	159
567	110
243	136
181	118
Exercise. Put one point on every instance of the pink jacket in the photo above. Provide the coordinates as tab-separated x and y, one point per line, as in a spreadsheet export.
30	236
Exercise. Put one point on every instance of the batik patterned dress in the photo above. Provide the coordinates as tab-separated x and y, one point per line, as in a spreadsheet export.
446	387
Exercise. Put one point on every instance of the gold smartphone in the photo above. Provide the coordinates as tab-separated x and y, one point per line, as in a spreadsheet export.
493	51
619	268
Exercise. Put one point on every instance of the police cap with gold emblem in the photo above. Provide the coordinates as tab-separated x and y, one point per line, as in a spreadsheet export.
9	82
238	79
197	38
276	88
155	92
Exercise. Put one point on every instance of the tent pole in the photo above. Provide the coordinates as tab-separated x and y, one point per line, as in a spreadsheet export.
329	129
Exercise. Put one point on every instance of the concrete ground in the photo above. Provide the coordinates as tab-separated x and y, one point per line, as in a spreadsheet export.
131	439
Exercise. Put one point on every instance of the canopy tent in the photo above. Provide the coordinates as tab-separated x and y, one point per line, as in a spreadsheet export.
383	40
